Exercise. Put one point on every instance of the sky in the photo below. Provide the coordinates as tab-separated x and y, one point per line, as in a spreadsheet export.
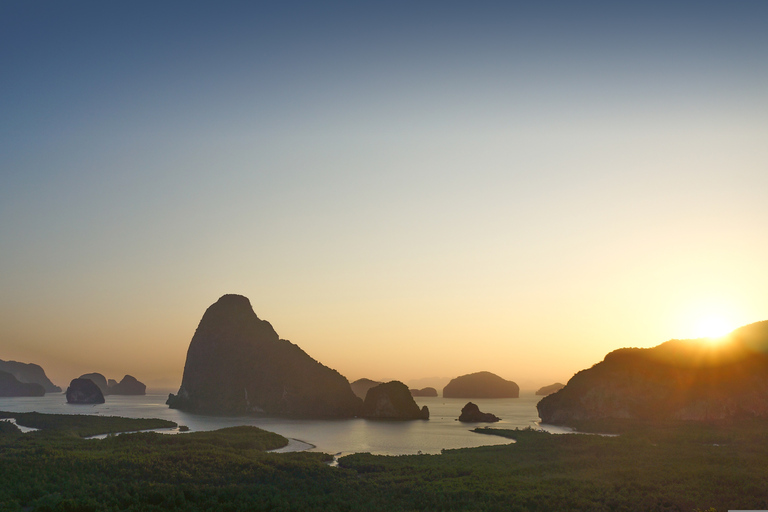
406	190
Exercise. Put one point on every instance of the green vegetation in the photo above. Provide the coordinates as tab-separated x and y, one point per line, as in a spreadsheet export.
686	467
7	428
84	425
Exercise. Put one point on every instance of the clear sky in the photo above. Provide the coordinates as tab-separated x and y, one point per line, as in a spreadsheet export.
403	189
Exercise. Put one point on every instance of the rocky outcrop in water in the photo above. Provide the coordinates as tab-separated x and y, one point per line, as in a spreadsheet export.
424	392
548	390
237	364
11	386
392	401
677	380
84	391
29	373
128	386
361	386
481	385
470	413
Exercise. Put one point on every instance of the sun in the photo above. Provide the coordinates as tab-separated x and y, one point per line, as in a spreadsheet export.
712	326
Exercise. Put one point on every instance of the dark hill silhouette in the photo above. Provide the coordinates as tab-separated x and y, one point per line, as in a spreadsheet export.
392	401
29	373
11	386
428	391
99	380
481	385
129	385
237	364
361	386
678	380
548	390
471	413
84	391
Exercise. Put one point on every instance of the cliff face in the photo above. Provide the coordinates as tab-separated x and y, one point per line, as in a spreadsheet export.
392	401
237	364
29	373
11	386
679	379
481	385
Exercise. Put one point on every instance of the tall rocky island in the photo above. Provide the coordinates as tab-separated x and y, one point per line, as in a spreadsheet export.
237	364
677	380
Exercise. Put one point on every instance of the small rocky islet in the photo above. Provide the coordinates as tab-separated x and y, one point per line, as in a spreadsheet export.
471	413
392	401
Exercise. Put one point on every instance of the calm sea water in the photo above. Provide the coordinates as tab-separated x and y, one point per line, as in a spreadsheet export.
441	431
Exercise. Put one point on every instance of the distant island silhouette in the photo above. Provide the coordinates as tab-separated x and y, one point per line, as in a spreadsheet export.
129	385
677	380
29	373
11	386
548	390
428	391
481	385
361	386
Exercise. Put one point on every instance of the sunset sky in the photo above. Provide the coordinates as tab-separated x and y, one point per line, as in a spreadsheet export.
403	189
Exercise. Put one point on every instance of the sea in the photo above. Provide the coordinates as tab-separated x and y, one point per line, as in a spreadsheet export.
339	437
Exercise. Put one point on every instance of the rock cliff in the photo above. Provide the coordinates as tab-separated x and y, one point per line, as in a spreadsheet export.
84	391
392	401
11	386
29	373
481	385
678	380
237	364
470	413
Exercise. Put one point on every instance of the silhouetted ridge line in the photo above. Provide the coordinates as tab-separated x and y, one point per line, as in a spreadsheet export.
237	364
677	380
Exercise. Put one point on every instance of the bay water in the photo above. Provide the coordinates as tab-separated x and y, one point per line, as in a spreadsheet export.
338	437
